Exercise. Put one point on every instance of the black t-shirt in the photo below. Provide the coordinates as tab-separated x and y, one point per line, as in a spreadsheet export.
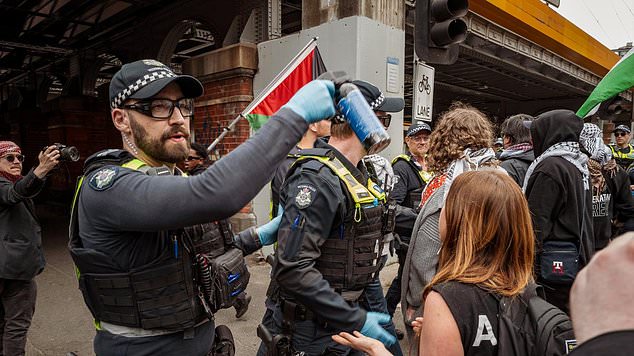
476	313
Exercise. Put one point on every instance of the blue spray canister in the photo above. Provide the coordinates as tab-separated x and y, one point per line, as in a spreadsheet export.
362	119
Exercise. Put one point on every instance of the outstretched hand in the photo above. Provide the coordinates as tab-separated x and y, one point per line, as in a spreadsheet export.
314	101
365	344
49	159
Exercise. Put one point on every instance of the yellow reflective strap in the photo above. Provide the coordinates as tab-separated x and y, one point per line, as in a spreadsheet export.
134	164
401	156
380	195
426	176
97	324
359	193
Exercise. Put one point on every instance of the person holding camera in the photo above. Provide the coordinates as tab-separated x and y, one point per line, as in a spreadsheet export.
21	255
137	234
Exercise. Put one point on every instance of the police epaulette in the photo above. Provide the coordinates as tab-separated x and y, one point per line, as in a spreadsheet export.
312	164
322	152
110	157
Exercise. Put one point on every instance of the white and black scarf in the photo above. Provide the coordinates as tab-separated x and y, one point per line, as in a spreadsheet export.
570	152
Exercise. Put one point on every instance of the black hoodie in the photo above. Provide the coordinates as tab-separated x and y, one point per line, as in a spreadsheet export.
555	191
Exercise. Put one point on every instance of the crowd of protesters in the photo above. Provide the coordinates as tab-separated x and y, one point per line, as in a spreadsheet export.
491	224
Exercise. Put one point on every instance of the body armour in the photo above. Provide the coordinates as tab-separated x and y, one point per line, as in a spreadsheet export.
168	293
622	158
350	257
414	196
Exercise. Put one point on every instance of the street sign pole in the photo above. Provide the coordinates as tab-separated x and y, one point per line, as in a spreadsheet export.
423	92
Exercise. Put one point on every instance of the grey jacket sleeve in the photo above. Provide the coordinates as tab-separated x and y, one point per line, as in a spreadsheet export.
139	202
422	257
27	187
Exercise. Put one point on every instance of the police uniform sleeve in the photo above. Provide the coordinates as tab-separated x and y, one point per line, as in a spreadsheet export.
405	216
624	202
134	201
247	241
399	193
312	202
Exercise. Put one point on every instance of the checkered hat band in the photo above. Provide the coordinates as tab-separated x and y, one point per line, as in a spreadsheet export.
120	98
377	102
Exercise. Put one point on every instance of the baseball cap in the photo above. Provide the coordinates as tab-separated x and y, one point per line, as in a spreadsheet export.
416	128
144	78
622	128
499	141
376	99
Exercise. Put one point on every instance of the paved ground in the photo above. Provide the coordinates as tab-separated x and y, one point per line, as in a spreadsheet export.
62	322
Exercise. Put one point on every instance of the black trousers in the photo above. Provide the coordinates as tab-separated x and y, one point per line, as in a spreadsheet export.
17	305
107	344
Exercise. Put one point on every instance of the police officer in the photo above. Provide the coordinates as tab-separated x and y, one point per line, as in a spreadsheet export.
135	265
623	151
411	178
314	132
329	243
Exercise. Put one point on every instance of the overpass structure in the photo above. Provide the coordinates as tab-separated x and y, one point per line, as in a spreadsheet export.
521	57
57	57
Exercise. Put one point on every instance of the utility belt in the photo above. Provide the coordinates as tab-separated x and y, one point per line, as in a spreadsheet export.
299	312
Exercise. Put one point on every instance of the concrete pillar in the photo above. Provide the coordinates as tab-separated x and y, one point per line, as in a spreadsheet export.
388	12
365	38
227	76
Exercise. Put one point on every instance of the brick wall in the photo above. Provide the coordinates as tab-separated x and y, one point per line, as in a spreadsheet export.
223	101
226	95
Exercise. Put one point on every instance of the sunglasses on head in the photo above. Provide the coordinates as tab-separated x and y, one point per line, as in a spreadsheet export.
617	134
12	158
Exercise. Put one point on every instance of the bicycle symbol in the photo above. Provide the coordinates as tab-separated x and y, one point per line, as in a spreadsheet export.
423	85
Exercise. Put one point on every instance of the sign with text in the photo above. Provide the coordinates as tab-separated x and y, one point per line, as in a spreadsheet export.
423	91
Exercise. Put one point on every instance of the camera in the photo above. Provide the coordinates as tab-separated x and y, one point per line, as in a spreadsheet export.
66	153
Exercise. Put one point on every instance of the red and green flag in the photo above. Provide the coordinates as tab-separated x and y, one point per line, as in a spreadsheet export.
306	66
619	79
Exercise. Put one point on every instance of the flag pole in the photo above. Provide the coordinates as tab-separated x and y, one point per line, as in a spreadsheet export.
259	98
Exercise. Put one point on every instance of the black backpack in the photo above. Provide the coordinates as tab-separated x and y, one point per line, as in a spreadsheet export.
529	325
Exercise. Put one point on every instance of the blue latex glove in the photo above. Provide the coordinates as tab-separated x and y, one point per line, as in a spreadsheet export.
372	328
314	101
267	233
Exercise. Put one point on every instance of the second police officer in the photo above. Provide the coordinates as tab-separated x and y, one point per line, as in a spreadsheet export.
329	246
138	270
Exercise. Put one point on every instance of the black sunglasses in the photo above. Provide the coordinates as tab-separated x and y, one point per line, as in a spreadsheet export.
385	119
617	134
192	158
12	158
163	109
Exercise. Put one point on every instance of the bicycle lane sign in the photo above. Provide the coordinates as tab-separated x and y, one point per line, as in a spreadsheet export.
423	91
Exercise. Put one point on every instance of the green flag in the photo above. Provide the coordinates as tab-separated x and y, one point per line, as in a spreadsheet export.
620	78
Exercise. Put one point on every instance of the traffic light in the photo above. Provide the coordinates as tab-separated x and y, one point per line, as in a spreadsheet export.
439	29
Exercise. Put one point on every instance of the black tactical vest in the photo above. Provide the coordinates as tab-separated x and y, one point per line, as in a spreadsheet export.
160	295
414	196
350	257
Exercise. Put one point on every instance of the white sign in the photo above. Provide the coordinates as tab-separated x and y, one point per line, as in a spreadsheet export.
423	91
393	84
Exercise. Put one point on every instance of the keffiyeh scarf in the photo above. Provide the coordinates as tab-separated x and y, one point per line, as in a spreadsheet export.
516	150
470	161
570	152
